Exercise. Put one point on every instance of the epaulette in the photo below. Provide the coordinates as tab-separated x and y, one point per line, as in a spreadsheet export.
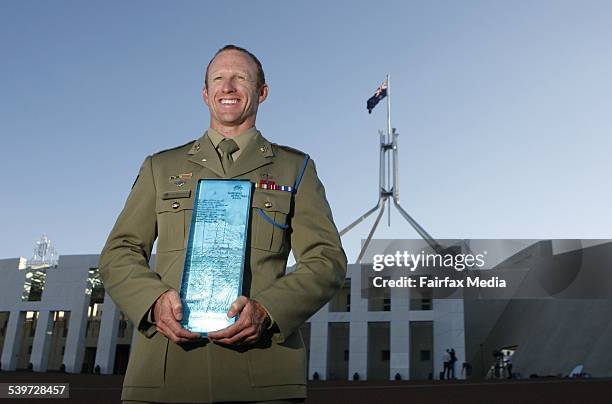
290	149
175	148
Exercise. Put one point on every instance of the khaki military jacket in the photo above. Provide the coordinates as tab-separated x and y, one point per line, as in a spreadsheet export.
159	208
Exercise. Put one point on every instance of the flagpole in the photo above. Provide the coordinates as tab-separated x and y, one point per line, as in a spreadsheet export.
388	179
388	141
388	108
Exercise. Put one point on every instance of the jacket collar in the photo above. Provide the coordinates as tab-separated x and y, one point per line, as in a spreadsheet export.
256	154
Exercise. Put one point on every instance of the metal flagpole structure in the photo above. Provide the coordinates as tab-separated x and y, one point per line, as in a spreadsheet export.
388	185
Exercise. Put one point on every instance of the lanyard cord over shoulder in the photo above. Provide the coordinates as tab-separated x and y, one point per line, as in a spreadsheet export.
296	184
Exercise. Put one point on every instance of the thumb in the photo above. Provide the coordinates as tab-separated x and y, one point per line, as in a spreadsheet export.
177	307
237	306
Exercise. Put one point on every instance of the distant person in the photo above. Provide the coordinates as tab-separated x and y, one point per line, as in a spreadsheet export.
447	361
509	365
453	360
499	363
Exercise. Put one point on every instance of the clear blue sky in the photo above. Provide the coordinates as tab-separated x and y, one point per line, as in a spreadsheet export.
503	108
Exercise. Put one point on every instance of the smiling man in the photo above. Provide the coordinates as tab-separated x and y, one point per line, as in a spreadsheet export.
261	357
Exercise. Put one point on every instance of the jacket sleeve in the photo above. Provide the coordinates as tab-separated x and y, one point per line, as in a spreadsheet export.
124	261
320	261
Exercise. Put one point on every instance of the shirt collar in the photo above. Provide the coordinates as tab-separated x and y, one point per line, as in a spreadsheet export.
242	140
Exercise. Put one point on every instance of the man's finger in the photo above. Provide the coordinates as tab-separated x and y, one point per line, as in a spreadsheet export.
225	332
237	306
184	333
179	331
234	333
175	305
182	336
168	333
238	338
252	339
231	330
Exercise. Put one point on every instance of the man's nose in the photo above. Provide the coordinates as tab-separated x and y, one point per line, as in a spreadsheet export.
228	86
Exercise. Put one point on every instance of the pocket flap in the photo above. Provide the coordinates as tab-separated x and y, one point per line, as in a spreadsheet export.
272	201
173	205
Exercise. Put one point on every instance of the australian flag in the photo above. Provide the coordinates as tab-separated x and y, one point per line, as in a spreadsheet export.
381	92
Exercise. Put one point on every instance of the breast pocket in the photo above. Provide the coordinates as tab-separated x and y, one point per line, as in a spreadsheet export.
270	219
173	220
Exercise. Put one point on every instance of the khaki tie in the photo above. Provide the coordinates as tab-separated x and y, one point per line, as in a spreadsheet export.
227	146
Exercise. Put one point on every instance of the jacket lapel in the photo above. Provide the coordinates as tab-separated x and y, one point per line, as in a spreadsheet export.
204	154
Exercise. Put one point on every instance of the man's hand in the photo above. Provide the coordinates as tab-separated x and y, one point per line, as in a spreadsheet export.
168	311
248	328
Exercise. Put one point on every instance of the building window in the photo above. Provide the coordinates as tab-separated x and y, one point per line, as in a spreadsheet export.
386	355
94	287
379	299
4	317
34	284
30	322
61	322
425	355
421	299
341	302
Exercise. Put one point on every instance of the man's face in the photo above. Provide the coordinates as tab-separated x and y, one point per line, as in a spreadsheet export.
232	95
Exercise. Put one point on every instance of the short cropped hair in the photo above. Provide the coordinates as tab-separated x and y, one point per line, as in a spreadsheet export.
261	78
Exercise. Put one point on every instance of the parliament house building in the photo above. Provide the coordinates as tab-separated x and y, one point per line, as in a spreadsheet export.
56	316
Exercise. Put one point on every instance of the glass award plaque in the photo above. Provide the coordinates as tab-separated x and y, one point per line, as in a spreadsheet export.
214	263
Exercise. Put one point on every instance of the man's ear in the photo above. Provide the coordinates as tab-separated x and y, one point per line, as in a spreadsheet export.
205	94
263	93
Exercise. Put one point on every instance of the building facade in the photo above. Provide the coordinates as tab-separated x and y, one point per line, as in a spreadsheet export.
58	318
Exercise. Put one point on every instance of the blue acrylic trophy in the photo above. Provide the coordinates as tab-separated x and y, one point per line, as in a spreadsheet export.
214	263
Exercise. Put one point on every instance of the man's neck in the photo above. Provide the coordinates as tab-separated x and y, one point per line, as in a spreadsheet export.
232	131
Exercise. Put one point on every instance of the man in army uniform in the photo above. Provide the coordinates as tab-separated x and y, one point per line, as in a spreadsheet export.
261	357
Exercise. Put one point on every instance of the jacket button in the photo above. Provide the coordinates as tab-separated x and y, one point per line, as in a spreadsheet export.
175	205
268	204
